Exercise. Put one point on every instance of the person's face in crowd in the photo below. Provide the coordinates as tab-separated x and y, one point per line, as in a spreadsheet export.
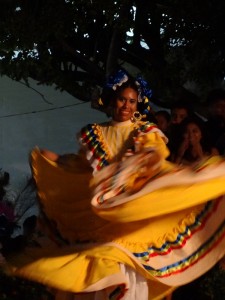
218	108
178	115
162	122
193	134
125	105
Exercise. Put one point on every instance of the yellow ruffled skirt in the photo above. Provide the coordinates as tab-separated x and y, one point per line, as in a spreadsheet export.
170	232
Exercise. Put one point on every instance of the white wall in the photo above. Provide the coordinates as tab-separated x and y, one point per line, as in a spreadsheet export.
27	120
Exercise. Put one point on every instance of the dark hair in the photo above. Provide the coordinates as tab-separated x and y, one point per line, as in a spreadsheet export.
109	95
194	119
215	95
206	144
164	113
115	85
183	104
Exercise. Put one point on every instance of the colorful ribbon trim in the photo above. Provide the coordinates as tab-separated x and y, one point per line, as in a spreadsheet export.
181	240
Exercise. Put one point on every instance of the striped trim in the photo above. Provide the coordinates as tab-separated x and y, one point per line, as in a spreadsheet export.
147	127
192	258
91	137
182	238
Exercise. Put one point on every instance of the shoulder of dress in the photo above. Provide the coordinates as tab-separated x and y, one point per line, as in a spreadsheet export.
91	133
86	133
94	125
147	126
87	126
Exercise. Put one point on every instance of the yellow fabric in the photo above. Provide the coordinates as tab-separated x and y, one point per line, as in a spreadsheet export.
65	196
72	212
165	201
152	141
119	137
65	268
69	270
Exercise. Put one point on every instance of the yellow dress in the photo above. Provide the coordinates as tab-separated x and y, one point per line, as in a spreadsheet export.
165	222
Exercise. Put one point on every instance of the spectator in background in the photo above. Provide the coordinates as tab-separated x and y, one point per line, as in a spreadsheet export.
220	144
216	115
163	120
179	111
194	145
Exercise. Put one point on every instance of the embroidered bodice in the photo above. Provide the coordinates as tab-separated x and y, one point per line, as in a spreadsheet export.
108	142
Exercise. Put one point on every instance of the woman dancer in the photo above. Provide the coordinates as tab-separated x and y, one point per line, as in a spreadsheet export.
137	225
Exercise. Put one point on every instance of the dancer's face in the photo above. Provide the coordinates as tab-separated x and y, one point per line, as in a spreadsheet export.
125	105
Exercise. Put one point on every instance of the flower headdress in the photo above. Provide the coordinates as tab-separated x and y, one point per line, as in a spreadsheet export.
144	92
143	89
115	81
